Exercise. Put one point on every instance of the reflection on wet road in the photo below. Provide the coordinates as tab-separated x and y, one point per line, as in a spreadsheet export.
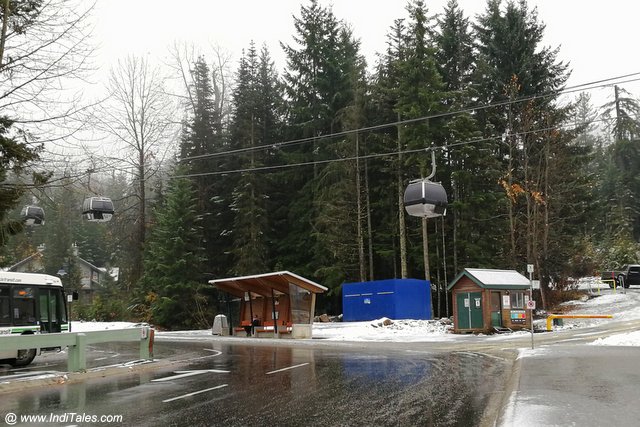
240	385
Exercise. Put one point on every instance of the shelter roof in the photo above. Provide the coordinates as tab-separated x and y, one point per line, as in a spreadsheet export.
493	279
263	284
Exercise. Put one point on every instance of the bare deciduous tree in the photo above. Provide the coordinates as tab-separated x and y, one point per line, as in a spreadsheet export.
43	44
138	117
182	59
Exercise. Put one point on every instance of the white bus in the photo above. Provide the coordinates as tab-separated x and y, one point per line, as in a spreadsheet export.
30	304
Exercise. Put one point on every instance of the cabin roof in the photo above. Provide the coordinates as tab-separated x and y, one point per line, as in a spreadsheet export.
493	279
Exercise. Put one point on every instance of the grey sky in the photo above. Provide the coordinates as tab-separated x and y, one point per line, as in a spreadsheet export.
597	38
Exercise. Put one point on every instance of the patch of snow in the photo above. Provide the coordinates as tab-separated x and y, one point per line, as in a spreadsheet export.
528	352
384	330
79	326
628	339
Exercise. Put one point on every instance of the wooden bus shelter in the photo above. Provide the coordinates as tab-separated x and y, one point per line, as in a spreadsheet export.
282	302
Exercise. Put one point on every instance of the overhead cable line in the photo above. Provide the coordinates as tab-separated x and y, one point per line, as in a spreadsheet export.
576	88
363	157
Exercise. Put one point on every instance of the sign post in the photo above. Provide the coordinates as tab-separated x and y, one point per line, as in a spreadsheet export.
531	304
69	301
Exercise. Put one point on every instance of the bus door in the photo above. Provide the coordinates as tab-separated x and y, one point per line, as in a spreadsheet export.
52	310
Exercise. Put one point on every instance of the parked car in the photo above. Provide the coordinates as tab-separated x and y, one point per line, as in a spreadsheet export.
629	275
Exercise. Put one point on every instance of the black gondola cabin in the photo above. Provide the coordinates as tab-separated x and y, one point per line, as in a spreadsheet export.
424	198
33	215
97	209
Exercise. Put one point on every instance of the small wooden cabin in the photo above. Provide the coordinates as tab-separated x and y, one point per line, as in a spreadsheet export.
486	300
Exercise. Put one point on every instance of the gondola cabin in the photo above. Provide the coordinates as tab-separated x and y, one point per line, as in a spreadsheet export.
33	215
424	198
97	209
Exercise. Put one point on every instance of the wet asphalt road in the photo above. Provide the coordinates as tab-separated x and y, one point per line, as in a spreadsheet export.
576	386
221	383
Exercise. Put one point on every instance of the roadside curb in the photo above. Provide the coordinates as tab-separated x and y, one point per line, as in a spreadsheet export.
512	387
495	405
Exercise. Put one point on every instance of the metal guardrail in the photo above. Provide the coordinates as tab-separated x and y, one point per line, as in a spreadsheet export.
77	343
575	316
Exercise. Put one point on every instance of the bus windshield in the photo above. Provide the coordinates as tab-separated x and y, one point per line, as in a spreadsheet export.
24	306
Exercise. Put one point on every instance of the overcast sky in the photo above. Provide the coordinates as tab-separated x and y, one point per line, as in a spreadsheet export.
597	38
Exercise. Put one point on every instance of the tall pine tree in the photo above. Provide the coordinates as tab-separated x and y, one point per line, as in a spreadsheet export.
319	84
540	204
203	139
254	127
173	260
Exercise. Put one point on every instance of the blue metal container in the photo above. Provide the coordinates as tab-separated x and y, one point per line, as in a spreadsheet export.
392	298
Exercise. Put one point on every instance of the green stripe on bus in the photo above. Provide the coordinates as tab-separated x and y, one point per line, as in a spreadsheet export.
21	330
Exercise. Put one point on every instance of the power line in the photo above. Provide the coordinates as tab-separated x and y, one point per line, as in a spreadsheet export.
363	157
580	87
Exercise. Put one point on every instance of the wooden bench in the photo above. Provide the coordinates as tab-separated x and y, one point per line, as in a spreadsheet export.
267	328
242	326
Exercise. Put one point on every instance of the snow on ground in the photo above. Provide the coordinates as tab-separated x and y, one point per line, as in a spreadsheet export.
80	326
623	305
384	330
628	339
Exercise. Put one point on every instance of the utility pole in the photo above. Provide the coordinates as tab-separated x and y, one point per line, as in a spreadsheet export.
444	261
531	303
425	254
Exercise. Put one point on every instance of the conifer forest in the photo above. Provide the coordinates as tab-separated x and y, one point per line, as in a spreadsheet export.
221	167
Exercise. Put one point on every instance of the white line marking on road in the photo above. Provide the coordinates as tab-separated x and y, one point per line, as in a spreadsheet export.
194	393
286	369
183	374
215	351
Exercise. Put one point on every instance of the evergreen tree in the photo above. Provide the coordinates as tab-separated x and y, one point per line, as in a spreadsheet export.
202	139
539	203
408	87
254	125
623	118
16	154
173	262
319	88
338	187
385	204
64	218
472	167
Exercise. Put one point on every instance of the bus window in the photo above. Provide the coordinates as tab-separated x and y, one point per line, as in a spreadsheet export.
24	306
5	313
44	308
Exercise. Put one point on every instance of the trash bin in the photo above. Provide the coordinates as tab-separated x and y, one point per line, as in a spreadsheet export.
220	325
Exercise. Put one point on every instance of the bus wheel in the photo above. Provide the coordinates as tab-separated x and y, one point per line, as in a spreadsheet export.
24	357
